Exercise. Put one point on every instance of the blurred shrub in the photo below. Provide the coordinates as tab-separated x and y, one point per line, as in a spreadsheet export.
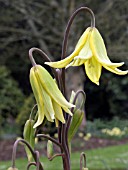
11	96
116	128
25	110
117	90
108	100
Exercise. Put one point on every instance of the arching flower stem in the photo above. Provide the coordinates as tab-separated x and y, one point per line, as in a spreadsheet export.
64	129
45	59
34	154
51	139
66	34
31	164
82	159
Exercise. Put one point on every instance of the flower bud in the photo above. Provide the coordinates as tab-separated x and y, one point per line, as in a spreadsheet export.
84	168
76	122
11	168
49	149
28	134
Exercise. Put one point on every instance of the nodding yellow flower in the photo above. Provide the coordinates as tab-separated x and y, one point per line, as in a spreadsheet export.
90	51
49	98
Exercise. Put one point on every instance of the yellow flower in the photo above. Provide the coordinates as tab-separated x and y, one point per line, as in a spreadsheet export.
90	51
87	137
49	98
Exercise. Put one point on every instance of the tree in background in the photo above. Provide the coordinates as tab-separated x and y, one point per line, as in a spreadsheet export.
41	23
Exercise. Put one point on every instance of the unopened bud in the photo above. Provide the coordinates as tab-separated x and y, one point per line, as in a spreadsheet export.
11	168
49	149
76	122
29	136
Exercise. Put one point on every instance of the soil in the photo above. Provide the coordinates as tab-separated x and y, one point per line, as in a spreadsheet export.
78	145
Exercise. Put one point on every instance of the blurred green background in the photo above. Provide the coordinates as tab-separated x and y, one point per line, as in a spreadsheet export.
41	23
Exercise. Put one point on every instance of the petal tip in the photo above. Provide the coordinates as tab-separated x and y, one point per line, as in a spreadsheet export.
47	63
97	83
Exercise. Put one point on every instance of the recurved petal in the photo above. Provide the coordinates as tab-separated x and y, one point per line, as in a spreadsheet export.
64	62
76	62
51	87
67	60
58	112
115	70
99	50
93	70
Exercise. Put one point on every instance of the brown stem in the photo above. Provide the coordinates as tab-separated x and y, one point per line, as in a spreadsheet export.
31	164
45	57
51	139
82	157
64	129
37	160
56	155
74	101
29	147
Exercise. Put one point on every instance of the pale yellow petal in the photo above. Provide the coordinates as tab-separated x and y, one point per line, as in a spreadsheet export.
48	115
37	93
56	122
67	110
85	52
58	112
115	70
39	120
48	104
35	86
83	38
63	63
76	62
51	87
99	50
67	60
93	70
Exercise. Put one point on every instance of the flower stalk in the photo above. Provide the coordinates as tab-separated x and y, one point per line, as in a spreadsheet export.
50	94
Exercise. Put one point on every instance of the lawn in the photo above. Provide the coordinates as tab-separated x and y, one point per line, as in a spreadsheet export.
109	158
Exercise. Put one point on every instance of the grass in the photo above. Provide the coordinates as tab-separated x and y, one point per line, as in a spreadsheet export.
114	157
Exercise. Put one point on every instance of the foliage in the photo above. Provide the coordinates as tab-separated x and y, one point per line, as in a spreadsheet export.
108	100
25	110
116	89
9	89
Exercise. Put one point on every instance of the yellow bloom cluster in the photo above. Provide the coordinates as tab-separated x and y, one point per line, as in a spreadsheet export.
90	51
87	136
114	132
